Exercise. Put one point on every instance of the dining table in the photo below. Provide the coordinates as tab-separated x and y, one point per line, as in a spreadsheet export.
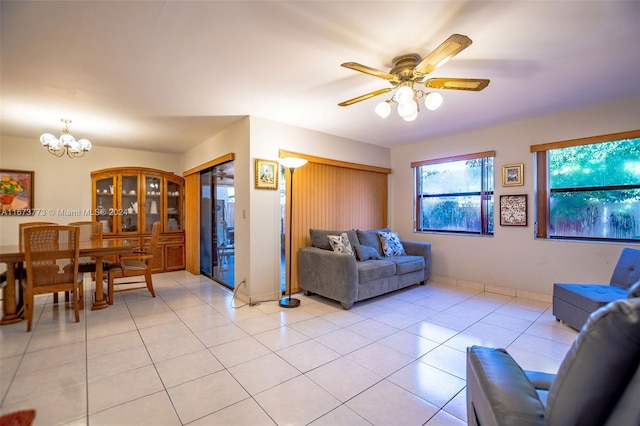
13	255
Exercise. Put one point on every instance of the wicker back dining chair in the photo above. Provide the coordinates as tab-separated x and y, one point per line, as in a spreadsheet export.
135	265
20	274
51	257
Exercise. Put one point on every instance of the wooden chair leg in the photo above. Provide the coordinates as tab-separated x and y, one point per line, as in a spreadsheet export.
28	308
76	296
110	288
149	282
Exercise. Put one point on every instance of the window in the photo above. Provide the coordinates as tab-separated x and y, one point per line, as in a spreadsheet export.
455	194
589	188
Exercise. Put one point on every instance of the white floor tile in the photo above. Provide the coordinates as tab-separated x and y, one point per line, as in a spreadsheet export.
296	402
188	357
201	397
344	378
155	409
388	404
244	413
308	355
419	379
262	373
185	368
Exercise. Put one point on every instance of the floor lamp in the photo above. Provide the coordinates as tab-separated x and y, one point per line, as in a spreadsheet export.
292	163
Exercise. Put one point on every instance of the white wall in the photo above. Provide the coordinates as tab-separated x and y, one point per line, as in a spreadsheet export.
267	138
64	183
234	139
512	258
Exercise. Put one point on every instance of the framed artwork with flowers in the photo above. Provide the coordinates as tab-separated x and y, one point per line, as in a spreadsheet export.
16	191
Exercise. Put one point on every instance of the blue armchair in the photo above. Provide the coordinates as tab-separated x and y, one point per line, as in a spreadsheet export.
573	303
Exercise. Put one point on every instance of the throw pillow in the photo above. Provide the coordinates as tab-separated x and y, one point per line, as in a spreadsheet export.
365	253
340	243
391	245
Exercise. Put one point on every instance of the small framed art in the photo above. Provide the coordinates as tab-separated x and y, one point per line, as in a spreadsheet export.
513	210
16	192
267	174
512	175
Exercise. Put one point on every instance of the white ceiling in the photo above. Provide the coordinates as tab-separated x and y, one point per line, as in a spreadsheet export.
166	75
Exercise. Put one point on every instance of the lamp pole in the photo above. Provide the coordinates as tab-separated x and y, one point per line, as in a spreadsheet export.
292	163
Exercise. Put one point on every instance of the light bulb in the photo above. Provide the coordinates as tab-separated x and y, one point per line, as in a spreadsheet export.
73	145
383	109
411	117
67	139
47	139
407	109
85	145
404	94
433	101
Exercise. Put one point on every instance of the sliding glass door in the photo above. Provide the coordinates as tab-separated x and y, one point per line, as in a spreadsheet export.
217	227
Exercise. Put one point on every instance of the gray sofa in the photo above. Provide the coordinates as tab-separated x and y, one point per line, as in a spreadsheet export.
598	382
349	278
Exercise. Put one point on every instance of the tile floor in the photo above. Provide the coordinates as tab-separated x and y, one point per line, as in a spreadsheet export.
189	357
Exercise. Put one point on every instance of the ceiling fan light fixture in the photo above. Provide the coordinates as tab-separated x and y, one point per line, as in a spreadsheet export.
433	100
383	109
404	95
408	110
410	84
411	117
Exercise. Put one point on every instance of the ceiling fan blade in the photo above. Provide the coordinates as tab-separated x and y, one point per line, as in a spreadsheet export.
473	84
447	50
364	97
368	70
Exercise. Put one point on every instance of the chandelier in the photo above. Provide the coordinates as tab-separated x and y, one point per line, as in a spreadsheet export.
408	99
66	144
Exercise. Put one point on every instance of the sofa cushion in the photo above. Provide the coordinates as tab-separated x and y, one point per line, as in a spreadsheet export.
390	244
406	264
634	290
365	252
372	270
319	237
340	243
598	367
370	238
588	296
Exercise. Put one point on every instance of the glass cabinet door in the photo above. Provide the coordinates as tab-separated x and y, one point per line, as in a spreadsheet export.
105	205
152	201
127	212
174	206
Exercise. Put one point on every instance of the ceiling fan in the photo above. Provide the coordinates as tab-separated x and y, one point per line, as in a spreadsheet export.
410	70
224	176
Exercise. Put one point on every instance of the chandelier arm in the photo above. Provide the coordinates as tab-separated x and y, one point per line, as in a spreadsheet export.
56	152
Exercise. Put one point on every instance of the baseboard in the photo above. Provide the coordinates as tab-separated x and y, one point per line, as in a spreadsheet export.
506	291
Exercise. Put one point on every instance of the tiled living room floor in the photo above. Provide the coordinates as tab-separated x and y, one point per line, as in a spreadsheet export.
188	357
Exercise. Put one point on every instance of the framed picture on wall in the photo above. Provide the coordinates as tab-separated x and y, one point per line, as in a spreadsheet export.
267	172
16	192
513	210
512	175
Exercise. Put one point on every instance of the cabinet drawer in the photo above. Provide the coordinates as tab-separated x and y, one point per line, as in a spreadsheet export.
171	239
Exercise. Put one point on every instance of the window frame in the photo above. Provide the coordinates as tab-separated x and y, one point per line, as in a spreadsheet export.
484	194
542	191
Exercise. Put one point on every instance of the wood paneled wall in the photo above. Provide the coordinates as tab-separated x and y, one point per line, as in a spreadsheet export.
333	195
